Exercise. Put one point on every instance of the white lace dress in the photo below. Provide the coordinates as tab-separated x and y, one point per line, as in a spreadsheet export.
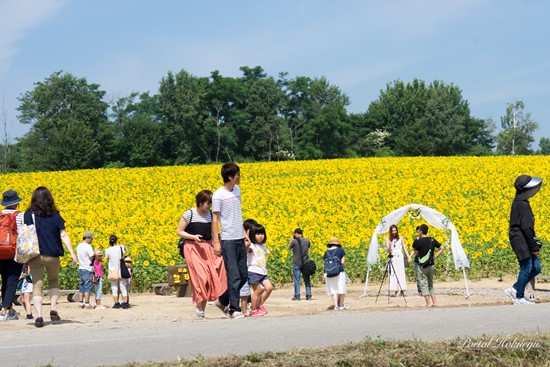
398	262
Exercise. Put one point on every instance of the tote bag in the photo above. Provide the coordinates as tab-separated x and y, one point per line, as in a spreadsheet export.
27	241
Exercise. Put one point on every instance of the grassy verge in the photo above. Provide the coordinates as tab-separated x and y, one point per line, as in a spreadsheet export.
486	351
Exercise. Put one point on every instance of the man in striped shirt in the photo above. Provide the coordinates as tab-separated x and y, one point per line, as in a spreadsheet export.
226	210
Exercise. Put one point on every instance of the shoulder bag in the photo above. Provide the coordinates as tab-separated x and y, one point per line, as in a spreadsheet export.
27	246
309	267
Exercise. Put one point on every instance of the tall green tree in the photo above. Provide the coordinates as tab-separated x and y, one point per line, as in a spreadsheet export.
226	98
67	115
544	146
183	110
316	115
517	130
431	119
264	102
136	135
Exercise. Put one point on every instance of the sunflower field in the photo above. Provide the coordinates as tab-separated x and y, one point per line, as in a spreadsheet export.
344	198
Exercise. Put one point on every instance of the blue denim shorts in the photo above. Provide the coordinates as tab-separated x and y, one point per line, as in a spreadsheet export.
245	290
85	285
255	278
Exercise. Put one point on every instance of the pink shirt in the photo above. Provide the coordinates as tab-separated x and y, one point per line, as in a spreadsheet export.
98	268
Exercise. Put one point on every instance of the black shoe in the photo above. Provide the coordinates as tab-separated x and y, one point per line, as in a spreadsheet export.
295	298
54	316
30	317
39	322
117	305
308	298
125	306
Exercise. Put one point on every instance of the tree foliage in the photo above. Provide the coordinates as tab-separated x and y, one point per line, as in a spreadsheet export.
544	146
67	115
429	119
252	117
517	130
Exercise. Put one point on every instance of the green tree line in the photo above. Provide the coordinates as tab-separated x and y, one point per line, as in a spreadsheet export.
254	117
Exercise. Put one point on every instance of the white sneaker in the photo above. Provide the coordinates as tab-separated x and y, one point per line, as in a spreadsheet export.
100	307
237	315
523	301
4	317
511	292
12	315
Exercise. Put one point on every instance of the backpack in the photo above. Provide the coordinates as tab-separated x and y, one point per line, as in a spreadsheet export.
332	265
8	235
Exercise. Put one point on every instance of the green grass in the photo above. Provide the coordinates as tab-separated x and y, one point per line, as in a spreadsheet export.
510	350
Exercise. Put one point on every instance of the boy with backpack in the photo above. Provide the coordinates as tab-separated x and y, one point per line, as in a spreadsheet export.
10	270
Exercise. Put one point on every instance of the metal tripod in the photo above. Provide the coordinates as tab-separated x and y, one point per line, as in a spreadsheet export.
389	269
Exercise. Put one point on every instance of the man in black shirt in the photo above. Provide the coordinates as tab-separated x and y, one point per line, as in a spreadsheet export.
522	237
424	248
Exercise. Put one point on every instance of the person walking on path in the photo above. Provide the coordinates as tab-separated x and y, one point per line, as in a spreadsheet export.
25	280
227	213
522	237
85	254
51	233
206	269
10	270
424	247
300	254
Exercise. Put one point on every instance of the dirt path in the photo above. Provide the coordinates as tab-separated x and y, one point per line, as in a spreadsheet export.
152	307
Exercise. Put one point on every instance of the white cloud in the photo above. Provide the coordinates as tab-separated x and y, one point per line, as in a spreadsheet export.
16	18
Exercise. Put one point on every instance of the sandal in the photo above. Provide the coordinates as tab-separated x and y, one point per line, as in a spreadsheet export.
199	314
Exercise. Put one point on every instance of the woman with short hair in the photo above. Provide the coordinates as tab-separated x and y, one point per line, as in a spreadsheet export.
206	269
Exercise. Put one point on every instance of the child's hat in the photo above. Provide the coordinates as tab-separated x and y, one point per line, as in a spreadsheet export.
127	259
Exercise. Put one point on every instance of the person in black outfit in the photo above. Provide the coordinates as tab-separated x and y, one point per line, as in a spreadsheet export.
522	237
424	248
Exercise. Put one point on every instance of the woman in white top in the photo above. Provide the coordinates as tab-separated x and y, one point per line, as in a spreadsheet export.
395	246
114	254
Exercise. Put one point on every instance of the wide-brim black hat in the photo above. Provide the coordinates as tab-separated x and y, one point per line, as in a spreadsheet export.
527	186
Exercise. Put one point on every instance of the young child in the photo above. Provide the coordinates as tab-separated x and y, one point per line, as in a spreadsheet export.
98	272
128	263
257	271
26	289
244	293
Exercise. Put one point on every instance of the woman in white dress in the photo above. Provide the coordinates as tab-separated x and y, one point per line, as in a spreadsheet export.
395	246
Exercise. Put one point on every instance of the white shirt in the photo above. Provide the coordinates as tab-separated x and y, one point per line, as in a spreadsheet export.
228	204
84	252
113	255
256	259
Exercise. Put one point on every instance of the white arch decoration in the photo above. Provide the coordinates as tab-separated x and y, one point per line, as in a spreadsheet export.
435	219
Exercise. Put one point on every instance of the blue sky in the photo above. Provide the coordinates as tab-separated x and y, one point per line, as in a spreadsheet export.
496	52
